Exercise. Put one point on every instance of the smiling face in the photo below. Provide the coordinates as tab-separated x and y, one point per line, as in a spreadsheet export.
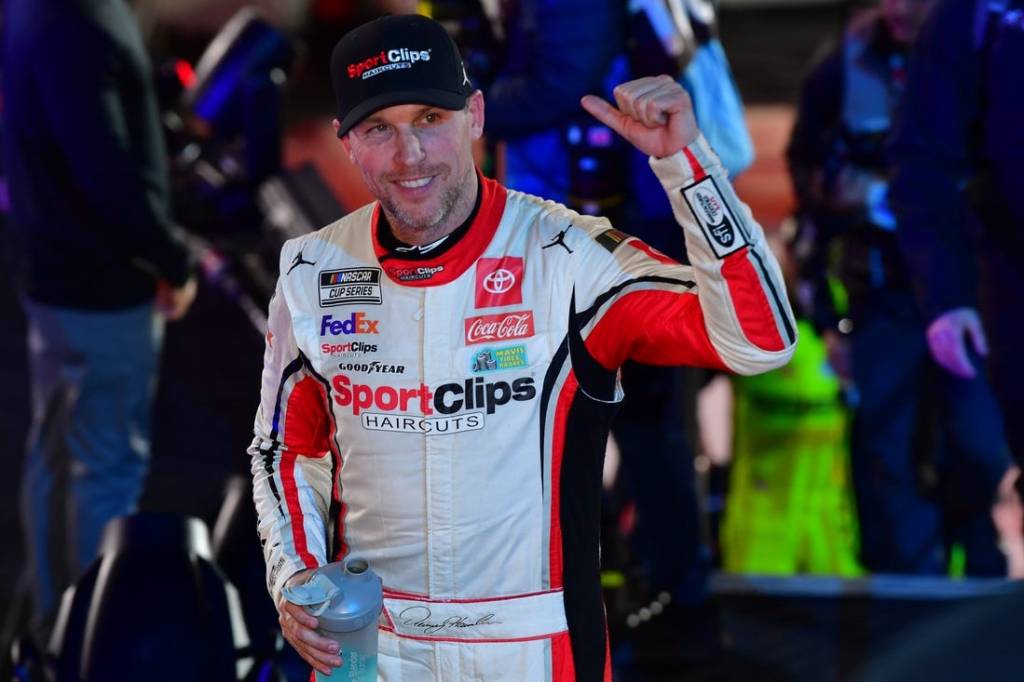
417	161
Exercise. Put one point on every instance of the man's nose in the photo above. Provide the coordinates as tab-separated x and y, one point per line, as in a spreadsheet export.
410	151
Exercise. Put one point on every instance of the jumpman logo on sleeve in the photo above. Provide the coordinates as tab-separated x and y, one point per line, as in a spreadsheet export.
559	240
299	260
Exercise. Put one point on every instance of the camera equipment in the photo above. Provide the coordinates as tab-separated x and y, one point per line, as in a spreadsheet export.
152	606
228	128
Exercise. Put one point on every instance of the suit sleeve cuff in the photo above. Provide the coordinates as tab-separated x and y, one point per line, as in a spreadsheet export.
281	576
691	163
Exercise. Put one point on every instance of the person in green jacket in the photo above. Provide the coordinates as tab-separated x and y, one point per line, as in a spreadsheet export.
790	506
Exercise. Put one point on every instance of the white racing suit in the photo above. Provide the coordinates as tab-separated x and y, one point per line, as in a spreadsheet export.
447	418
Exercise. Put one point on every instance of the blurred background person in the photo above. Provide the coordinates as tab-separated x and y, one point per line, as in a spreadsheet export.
790	506
550	55
928	449
102	267
958	192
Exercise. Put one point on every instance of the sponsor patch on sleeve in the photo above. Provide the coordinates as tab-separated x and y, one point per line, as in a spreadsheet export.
611	239
721	228
350	286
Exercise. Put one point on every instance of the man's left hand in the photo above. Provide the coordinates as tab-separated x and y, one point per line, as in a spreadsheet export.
947	340
655	114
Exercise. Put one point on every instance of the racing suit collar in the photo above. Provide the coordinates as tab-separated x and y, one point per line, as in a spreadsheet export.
399	249
450	259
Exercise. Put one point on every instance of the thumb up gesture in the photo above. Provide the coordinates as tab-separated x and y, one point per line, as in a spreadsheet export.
655	114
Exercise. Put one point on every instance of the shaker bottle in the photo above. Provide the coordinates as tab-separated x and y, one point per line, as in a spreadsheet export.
346	599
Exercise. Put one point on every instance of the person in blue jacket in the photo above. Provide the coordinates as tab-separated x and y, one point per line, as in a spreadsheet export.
100	266
928	449
957	153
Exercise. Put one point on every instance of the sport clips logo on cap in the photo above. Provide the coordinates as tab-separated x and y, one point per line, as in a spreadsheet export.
403	59
387	60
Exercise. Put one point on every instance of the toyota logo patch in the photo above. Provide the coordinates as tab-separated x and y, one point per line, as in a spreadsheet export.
499	282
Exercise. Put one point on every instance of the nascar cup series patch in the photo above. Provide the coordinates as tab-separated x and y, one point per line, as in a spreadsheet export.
723	231
350	286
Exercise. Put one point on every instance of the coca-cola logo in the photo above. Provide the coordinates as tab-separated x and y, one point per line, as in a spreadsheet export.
501	327
499	281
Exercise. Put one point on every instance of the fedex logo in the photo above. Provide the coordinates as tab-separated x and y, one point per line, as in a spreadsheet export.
356	323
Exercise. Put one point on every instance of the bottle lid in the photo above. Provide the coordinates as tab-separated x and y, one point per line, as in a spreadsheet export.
357	602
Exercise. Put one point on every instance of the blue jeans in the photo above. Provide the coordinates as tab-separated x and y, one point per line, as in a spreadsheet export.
928	449
93	375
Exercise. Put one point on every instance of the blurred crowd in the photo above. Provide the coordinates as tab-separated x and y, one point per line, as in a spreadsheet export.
888	445
884	446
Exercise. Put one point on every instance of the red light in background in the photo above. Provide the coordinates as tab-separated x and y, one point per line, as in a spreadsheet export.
185	74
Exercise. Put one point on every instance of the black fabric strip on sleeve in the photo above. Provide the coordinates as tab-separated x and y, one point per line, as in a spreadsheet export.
268	454
554	369
588	314
595	380
293	367
790	333
268	466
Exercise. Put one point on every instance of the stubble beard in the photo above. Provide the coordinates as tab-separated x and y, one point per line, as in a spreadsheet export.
433	227
407	222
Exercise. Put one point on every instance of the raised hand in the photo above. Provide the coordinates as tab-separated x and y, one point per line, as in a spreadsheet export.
947	340
654	113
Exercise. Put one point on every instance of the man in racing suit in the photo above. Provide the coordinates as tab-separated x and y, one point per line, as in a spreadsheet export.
473	487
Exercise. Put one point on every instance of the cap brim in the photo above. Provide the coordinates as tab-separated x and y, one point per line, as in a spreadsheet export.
438	98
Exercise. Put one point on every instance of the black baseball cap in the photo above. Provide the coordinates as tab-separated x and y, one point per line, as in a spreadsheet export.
404	59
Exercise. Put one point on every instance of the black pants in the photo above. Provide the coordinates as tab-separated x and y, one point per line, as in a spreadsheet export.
1002	303
657	474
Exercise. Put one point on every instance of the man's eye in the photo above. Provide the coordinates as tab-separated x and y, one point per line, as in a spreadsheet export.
375	130
432	117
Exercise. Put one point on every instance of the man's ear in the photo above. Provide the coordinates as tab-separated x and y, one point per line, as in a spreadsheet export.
336	124
476	113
